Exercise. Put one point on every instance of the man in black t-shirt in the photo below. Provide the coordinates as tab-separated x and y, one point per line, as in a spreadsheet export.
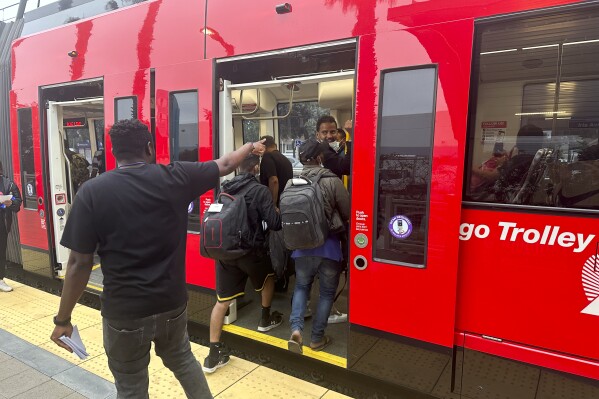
275	169
136	217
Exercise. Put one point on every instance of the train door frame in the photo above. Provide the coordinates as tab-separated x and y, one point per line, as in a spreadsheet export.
59	177
227	136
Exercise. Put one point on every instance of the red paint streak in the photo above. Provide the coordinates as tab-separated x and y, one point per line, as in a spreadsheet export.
145	38
214	35
365	14
84	33
15	45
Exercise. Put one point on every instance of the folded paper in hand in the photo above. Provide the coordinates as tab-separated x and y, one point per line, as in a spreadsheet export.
4	198
75	343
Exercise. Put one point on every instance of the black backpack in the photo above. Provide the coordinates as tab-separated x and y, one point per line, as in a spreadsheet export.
304	221
225	233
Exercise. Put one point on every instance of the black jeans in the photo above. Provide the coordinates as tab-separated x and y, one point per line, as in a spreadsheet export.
127	344
3	241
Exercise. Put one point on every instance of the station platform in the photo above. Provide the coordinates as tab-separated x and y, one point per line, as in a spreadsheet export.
32	366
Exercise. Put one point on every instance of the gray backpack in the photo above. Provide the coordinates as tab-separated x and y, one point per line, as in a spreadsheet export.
304	221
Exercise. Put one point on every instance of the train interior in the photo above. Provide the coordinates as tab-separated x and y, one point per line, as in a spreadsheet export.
76	137
283	95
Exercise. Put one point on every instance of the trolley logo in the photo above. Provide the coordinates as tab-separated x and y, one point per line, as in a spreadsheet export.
590	284
550	235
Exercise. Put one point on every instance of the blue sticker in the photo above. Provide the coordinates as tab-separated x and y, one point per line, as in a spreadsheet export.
190	207
400	227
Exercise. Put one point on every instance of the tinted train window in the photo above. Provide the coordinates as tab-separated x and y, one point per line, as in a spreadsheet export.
404	150
534	129
184	140
125	108
27	160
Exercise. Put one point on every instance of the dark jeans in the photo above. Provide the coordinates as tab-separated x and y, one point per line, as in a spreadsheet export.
306	268
3	241
127	344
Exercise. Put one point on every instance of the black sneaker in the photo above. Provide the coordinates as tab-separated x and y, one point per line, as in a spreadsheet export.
212	363
273	321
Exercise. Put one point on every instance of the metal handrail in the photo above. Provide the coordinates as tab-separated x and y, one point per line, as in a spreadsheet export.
291	87
241	104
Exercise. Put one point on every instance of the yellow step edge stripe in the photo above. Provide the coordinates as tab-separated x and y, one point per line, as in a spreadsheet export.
89	285
281	343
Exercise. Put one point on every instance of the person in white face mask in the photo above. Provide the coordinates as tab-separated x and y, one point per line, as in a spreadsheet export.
326	131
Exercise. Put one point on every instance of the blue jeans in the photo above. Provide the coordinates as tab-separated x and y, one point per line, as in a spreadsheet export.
127	344
306	268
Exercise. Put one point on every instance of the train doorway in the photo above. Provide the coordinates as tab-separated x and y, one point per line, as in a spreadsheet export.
75	145
282	94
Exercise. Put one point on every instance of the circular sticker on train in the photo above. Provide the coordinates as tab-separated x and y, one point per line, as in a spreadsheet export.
190	207
400	227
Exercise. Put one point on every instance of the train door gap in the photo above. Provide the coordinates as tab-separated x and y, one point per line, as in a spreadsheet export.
283	95
76	154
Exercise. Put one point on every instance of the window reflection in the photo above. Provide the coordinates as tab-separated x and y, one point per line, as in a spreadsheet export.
404	165
184	139
534	139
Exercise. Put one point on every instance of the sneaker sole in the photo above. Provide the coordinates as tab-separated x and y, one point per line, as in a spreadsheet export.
213	369
265	329
337	320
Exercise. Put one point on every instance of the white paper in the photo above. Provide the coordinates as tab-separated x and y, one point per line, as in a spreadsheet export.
75	343
4	198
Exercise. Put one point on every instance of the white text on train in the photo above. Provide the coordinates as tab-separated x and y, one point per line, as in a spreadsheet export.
510	231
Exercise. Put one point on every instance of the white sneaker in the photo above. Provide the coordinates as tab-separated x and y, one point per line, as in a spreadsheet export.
5	287
337	317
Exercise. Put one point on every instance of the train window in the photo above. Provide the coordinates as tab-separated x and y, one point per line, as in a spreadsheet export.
125	108
27	161
251	130
404	150
184	140
534	127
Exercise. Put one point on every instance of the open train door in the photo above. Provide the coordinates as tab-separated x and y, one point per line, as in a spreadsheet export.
412	89
62	189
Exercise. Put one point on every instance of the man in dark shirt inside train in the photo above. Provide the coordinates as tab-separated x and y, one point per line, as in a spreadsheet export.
136	217
275	169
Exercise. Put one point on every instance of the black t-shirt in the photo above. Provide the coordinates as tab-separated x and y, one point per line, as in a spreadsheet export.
137	219
275	164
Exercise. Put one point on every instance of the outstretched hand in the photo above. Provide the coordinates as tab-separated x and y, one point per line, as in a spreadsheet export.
259	147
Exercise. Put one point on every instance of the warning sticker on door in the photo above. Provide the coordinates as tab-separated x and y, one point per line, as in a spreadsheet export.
400	227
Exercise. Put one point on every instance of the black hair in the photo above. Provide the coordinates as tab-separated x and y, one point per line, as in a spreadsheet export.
269	141
129	138
249	163
325	119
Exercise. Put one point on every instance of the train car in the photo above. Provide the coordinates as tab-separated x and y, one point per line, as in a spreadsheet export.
474	183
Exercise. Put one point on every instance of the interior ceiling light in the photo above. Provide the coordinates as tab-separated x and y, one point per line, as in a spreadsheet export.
499	51
542	113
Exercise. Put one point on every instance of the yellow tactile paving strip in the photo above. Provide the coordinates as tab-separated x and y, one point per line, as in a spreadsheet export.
27	313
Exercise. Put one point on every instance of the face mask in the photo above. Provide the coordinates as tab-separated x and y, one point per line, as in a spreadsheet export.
334	145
